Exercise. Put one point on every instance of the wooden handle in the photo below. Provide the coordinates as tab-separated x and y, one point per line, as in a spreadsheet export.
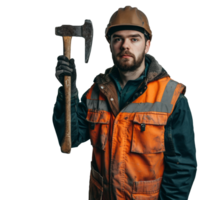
66	144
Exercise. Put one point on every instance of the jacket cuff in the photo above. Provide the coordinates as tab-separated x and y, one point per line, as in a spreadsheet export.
61	95
74	95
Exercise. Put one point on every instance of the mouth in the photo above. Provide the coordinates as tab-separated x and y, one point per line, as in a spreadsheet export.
125	56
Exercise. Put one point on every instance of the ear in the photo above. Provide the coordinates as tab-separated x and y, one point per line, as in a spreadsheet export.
148	43
108	47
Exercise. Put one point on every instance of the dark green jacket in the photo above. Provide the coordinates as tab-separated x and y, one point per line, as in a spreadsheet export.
180	154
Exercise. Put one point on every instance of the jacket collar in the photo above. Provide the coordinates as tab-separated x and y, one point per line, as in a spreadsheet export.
155	72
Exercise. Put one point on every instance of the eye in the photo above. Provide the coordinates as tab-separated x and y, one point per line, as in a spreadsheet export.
120	39
135	39
117	39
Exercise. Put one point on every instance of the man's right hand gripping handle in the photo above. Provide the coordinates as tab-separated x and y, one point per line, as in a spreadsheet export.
66	67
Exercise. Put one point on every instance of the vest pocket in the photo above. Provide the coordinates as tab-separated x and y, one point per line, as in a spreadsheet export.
96	185
148	133
146	190
98	127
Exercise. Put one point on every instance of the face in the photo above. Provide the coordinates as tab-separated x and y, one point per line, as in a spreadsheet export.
128	49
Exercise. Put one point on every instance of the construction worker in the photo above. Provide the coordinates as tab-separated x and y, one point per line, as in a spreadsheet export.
137	118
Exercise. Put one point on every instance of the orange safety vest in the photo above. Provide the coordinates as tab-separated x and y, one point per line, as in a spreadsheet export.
128	150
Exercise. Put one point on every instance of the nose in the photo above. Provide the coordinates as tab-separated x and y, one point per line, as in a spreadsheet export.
125	44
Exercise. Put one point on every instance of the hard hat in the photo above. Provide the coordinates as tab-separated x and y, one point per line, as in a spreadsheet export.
128	18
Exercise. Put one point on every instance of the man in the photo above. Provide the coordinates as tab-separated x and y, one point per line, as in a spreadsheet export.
136	116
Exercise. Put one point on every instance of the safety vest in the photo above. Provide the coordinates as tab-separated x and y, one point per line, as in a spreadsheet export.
128	150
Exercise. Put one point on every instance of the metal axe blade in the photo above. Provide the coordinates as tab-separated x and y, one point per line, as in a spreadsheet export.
86	31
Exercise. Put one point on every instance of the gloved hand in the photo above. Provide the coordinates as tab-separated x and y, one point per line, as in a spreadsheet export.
66	67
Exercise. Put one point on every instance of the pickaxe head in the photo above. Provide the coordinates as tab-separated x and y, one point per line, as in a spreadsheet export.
85	31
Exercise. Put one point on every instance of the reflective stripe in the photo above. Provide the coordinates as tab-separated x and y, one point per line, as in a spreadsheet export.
97	104
145	107
169	91
163	106
95	92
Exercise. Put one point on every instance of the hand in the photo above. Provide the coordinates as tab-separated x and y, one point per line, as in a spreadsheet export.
66	67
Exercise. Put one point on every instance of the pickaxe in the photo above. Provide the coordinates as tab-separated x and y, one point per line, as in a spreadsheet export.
67	31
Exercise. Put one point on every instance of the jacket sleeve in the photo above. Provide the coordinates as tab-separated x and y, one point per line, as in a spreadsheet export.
180	154
79	125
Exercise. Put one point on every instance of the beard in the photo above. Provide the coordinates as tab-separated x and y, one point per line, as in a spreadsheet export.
124	63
